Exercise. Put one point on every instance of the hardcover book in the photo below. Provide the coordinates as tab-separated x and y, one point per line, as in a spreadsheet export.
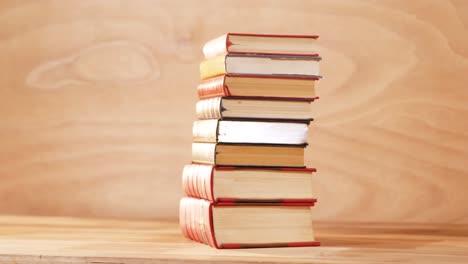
247	108
231	225
250	132
261	43
244	184
263	65
248	155
257	86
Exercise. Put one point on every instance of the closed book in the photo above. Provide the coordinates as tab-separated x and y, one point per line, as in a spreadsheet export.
248	184
233	225
248	108
261	43
262	65
248	155
257	86
250	132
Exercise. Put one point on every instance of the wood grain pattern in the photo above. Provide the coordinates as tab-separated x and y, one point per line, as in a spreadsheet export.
71	240
97	101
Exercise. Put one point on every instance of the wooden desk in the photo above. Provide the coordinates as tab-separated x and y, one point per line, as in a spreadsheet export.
72	240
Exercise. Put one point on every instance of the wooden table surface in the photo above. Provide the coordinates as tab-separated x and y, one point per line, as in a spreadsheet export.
73	240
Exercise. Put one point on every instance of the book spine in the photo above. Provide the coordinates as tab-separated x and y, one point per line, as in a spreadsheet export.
209	108
215	47
197	180
205	131
214	87
204	153
213	67
196	220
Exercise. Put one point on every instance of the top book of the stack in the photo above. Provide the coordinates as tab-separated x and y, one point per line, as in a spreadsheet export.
240	43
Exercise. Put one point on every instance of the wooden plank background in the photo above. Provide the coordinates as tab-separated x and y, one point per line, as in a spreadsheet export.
97	102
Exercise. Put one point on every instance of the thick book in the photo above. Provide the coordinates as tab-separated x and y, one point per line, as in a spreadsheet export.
263	65
246	184
250	132
261	43
231	225
248	155
257	86
248	108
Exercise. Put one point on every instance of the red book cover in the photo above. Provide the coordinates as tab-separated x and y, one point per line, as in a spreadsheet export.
196	222
198	181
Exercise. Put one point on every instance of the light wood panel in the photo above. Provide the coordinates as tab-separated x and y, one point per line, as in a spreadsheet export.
70	240
97	102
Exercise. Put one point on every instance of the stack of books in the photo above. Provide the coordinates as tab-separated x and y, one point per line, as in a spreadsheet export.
248	185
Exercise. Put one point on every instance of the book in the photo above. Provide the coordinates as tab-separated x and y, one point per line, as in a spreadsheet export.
263	65
242	108
248	155
261	43
256	132
257	86
244	184
231	225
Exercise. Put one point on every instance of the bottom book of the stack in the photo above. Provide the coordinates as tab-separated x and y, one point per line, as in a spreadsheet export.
245	225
